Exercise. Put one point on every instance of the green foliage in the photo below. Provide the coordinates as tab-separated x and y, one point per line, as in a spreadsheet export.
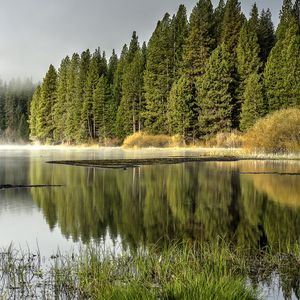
179	26
286	14
248	61
129	117
214	94
45	120
266	35
60	108
200	41
180	118
73	108
282	72
34	110
254	106
218	17
153	88
232	24
158	76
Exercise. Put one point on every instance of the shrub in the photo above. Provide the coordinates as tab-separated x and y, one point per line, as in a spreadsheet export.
143	140
225	140
279	132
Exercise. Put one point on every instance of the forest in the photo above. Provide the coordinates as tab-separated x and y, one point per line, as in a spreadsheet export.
15	98
213	71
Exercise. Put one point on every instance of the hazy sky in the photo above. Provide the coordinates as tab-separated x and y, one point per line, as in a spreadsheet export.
36	33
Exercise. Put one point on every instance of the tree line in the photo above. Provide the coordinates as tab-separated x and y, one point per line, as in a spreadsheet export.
15	98
216	72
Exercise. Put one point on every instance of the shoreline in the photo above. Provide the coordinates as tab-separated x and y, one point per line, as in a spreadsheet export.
208	152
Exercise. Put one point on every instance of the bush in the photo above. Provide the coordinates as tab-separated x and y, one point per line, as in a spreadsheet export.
143	140
225	140
279	132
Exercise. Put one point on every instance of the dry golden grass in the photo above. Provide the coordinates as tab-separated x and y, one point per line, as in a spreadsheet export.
143	140
232	139
276	133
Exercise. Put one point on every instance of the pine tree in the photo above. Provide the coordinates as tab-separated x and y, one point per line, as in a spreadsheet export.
101	97
131	106
85	61
266	35
254	105
71	121
297	11
248	61
286	14
281	76
200	41
218	18
59	108
180	31
253	22
112	67
45	121
180	115
88	129
214	94
158	76
232	24
34	109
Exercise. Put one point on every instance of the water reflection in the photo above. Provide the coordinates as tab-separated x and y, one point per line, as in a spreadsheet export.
158	203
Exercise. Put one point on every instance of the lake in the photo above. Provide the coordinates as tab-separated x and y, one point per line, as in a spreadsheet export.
249	203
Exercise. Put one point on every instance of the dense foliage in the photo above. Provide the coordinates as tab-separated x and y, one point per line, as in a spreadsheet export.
215	72
15	98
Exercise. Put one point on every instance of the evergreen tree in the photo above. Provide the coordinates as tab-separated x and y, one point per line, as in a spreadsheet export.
101	97
297	11
60	108
73	109
254	106
286	14
45	120
34	110
218	18
112	67
180	30
248	61
253	22
131	106
158	76
88	129
214	94
180	118
200	41
266	35
232	24
85	61
281	76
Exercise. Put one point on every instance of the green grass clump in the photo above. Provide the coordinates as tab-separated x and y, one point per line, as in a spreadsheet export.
180	272
277	133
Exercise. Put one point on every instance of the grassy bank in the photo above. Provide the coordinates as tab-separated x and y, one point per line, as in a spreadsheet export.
183	271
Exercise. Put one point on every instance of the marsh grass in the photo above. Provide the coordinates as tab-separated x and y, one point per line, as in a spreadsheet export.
182	271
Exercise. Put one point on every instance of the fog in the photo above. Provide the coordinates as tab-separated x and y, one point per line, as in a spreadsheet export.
36	33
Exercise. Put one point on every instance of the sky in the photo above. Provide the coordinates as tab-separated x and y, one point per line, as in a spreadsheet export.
37	33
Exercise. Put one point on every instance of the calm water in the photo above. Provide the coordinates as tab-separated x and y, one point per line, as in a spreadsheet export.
129	208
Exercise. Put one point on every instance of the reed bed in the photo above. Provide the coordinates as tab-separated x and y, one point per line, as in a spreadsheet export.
182	271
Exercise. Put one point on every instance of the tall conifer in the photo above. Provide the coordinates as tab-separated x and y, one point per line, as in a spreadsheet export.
214	94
